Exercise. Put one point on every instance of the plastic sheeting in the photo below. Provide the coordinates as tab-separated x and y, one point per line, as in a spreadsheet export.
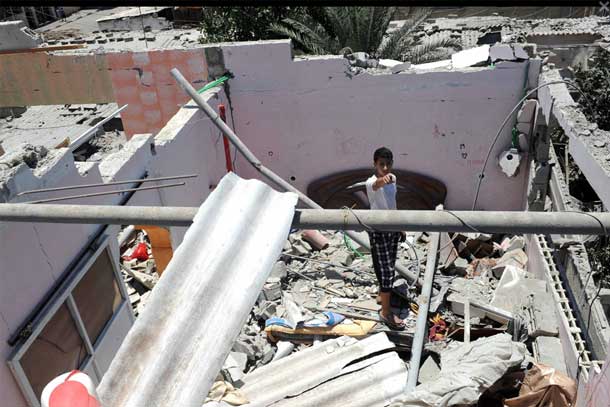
466	372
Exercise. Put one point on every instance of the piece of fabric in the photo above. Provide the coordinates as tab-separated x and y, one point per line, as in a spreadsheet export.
327	318
384	247
279	322
545	386
225	392
384	197
467	370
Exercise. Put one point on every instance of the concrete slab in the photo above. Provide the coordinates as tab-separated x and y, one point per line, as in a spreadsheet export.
502	52
470	57
550	352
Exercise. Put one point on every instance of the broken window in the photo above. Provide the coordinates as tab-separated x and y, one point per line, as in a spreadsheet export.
58	349
97	296
66	335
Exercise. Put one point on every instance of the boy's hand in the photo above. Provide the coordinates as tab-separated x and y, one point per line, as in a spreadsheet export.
403	237
385	180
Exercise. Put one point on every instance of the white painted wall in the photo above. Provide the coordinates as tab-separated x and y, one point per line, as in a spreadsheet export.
34	256
309	118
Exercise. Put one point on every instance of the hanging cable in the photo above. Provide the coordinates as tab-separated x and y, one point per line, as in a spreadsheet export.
517	106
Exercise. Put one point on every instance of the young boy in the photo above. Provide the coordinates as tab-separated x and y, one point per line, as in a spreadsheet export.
381	192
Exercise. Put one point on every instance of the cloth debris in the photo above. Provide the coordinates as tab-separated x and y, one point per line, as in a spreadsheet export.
466	372
545	386
224	391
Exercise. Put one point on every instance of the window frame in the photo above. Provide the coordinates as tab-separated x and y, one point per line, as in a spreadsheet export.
63	295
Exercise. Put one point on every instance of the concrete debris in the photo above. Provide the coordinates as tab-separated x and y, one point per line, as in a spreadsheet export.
292	312
470	57
501	52
466	372
516	258
548	351
429	371
388	63
139	275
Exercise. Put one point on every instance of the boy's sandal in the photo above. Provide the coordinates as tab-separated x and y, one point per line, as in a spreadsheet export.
391	324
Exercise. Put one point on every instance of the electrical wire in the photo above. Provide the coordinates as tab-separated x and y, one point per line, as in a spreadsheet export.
482	173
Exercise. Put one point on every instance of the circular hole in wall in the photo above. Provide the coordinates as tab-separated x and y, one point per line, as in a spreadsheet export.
270	153
293	178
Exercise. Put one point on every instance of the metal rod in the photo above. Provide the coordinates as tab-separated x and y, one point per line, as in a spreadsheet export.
256	163
328	264
103	184
467	321
583	223
86	135
422	313
63	198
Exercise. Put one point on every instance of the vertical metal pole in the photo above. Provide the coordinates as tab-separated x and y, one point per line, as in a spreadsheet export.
225	140
467	321
566	158
422	313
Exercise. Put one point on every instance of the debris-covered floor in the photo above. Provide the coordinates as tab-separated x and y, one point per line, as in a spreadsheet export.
323	288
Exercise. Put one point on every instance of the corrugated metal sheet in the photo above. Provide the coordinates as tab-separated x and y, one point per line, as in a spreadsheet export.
304	370
373	386
179	343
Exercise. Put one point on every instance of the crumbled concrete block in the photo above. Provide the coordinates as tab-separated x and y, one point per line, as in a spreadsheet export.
272	291
342	257
299	250
444	64
402	67
279	270
470	57
516	258
429	371
501	52
520	52
388	63
550	353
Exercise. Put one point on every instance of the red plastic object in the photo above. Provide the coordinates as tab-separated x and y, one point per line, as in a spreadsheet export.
140	252
225	140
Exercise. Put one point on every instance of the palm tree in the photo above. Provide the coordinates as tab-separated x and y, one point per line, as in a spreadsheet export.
342	30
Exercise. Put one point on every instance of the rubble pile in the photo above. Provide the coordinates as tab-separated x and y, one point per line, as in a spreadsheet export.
138	269
324	287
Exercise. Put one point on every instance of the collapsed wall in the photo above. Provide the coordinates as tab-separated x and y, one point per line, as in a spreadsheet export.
310	117
37	256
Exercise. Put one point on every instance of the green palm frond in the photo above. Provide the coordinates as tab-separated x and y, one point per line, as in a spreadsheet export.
400	40
429	51
305	37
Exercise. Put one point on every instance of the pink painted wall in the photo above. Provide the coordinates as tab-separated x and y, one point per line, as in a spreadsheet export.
143	80
308	118
140	79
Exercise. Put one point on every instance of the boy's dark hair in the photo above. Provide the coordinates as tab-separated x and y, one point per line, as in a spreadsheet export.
383	152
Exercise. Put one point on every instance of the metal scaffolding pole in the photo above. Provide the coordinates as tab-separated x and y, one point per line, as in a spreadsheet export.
423	303
258	165
578	223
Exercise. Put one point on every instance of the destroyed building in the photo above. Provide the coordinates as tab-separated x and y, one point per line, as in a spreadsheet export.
127	303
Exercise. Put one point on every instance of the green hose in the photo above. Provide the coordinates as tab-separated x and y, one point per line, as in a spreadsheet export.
212	84
349	246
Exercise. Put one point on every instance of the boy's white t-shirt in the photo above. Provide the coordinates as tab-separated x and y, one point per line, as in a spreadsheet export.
384	197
